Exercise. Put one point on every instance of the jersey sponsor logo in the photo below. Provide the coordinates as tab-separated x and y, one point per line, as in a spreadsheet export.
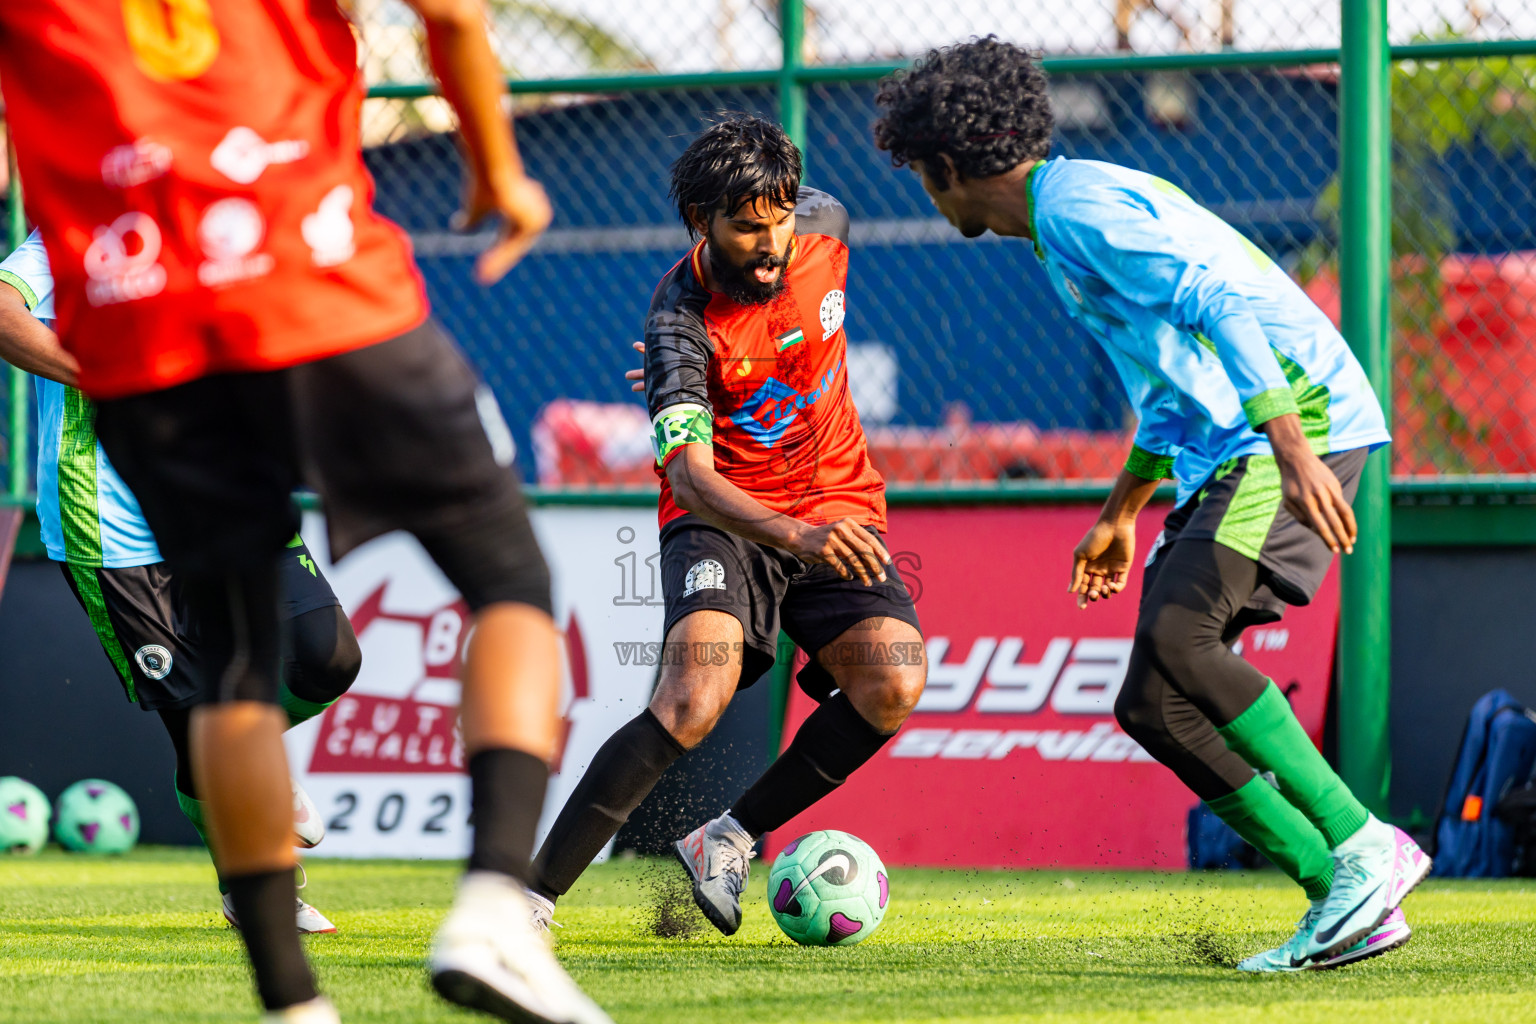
677	425
707	574
154	661
328	231
832	312
775	405
230	232
135	163
121	261
172	40
243	155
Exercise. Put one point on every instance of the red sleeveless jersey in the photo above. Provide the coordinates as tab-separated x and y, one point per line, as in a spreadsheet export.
766	386
196	170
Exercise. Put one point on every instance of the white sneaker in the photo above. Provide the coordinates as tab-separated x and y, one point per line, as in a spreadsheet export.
310	920
543	911
308	825
1372	871
317	1011
716	855
489	957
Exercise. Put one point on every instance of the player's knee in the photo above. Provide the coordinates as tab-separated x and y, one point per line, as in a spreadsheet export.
892	696
326	655
689	713
1140	717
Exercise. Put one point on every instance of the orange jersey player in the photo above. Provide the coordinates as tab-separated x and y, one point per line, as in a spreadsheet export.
246	323
771	517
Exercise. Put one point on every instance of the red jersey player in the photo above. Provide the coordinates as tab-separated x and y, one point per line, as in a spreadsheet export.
771	516
246	321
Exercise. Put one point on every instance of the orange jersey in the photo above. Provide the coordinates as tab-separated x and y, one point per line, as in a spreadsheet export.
766	386
196	170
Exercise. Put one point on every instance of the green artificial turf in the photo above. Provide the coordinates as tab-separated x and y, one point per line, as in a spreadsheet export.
140	939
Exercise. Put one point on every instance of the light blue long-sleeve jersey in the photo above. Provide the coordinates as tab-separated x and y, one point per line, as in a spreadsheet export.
87	515
1210	338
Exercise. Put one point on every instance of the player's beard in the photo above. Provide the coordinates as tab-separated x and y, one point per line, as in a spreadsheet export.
738	282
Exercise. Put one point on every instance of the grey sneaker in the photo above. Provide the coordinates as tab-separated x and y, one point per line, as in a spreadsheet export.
716	855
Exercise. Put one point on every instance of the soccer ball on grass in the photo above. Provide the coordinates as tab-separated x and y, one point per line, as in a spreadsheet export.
828	888
24	815
96	816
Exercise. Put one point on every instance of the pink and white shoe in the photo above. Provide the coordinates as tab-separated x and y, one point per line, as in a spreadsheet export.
1372	871
1393	933
308	825
309	920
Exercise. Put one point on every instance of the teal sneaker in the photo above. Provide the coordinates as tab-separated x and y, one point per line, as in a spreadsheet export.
1372	871
1389	935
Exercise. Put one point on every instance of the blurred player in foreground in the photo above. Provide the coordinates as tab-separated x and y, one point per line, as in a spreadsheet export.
92	526
1251	400
771	514
244	322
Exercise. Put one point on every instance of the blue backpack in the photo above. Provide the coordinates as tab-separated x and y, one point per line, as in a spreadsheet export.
1497	752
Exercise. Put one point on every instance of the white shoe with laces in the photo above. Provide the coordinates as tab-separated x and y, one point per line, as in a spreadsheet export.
317	1011
716	855
488	956
543	916
309	920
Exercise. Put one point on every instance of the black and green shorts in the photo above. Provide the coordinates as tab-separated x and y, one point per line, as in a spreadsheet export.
1239	506
141	618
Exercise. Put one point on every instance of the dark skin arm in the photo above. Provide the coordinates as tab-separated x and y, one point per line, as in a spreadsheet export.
1311	492
495	183
1101	564
844	545
27	344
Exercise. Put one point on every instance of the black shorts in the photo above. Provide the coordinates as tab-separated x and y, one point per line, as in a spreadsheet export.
141	618
703	567
1240	507
397	435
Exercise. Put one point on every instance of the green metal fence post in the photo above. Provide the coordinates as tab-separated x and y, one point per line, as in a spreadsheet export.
791	90
19	448
1365	625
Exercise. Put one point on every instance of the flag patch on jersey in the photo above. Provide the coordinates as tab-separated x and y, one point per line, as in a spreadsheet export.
789	338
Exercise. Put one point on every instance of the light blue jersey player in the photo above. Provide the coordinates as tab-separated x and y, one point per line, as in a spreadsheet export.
1247	396
91	525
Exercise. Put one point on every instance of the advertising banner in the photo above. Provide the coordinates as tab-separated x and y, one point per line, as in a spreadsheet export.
1013	756
385	764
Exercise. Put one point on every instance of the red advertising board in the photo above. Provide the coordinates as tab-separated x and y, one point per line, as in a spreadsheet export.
1013	756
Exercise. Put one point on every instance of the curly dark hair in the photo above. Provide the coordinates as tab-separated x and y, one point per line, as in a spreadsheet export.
982	102
735	161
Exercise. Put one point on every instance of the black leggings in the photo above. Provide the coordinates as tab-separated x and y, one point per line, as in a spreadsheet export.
1184	681
320	661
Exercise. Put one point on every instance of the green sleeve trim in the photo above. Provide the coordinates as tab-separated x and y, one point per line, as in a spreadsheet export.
27	294
679	425
1265	406
1029	192
1148	465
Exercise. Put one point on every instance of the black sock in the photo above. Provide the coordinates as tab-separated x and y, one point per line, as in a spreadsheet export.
623	771
507	794
264	906
830	744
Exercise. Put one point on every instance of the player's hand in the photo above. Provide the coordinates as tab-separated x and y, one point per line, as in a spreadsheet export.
1102	561
1314	496
638	375
845	546
524	211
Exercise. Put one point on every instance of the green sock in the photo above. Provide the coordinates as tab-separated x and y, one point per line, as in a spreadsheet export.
1263	817
1268	737
297	708
193	809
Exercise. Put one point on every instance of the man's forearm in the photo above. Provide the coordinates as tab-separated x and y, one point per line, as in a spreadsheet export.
28	345
471	79
714	499
1286	438
1128	497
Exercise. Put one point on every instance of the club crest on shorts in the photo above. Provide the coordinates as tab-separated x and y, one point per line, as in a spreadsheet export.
153	660
705	575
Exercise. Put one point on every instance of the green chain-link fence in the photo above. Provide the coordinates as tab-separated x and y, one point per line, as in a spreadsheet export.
966	371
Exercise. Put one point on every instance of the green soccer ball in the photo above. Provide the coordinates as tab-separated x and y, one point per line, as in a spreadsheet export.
828	888
96	816
24	813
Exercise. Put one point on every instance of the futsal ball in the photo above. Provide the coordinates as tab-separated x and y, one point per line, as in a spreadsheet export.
24	815
828	888
96	816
